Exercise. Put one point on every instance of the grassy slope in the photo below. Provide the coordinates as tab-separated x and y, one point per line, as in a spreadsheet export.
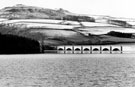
108	38
55	33
64	37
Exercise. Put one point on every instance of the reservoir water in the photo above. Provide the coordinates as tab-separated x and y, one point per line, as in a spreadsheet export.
67	70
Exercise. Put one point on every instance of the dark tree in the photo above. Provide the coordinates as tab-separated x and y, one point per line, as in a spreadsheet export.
12	44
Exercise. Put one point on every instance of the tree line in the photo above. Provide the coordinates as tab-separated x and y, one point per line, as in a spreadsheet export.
13	44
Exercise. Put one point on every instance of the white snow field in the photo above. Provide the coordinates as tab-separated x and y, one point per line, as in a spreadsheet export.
54	70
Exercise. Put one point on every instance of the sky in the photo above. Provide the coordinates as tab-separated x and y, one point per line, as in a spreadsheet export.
115	8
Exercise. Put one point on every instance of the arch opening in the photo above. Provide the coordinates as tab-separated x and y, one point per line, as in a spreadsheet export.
95	49
60	49
77	49
105	49
86	49
68	49
116	49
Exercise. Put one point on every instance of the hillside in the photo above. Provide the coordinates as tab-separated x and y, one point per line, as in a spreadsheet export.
50	36
20	11
13	44
24	12
61	27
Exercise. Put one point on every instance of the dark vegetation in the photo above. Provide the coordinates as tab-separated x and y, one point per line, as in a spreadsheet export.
21	40
79	18
120	23
12	44
120	34
47	47
14	40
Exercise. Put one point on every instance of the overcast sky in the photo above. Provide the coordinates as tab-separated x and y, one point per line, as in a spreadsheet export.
116	8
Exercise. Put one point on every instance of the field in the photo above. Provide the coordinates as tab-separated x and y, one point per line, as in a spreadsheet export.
105	29
56	70
90	27
50	21
61	32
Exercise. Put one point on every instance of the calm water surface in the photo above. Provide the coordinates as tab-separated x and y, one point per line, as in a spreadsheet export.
98	70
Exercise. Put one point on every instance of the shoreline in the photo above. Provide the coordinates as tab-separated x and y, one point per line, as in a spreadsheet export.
53	56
